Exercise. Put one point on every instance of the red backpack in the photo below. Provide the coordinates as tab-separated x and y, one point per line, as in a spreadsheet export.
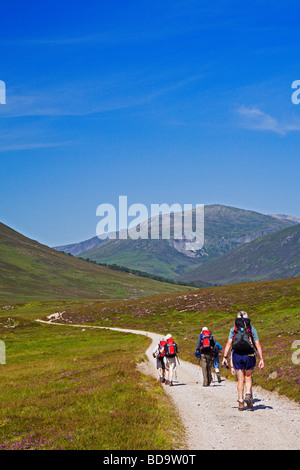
161	349
170	348
206	343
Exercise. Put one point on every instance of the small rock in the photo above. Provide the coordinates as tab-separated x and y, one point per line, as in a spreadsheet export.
273	375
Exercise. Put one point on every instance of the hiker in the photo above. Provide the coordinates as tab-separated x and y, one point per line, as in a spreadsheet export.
158	353
171	351
216	360
205	351
243	339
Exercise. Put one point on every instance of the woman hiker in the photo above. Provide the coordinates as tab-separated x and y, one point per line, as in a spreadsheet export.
243	339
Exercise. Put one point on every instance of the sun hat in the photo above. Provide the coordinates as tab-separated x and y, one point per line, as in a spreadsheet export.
242	314
168	337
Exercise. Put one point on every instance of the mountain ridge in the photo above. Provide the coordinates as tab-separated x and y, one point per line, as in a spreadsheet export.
273	256
225	228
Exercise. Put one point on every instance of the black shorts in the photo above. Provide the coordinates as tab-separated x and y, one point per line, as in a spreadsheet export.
160	363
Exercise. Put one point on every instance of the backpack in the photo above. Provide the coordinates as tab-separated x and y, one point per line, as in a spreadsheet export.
207	342
161	349
242	341
170	348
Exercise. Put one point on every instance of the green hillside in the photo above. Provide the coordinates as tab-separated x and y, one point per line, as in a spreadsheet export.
153	256
31	271
274	256
225	228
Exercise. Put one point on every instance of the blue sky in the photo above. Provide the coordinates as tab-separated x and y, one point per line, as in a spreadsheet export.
165	102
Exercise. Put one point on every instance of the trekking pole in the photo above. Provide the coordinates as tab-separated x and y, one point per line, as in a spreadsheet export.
197	381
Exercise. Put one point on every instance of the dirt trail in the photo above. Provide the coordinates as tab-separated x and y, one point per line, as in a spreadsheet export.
210	414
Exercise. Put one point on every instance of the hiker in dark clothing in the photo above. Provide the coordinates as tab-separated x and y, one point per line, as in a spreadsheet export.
243	339
205	351
216	360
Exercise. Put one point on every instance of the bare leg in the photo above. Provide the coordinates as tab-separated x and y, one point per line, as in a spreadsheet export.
240	384
248	381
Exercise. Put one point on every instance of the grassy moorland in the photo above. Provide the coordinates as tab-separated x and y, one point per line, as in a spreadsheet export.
273	307
65	388
78	388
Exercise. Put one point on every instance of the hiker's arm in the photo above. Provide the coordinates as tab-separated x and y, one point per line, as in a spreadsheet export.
260	354
226	351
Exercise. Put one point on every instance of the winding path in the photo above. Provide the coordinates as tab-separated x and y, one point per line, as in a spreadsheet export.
210	414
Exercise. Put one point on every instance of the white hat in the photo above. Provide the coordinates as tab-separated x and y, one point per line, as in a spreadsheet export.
205	329
168	337
242	314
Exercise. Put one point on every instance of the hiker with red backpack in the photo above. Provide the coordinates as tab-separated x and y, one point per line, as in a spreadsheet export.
171	351
243	339
205	351
159	353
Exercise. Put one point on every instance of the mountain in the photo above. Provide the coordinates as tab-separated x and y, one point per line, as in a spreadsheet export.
225	228
296	220
274	256
153	256
31	271
76	249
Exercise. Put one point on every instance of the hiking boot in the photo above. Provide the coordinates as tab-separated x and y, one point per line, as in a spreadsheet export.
249	400
219	378
167	382
241	405
171	384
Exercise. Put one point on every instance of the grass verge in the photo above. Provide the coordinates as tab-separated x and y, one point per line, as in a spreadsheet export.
79	389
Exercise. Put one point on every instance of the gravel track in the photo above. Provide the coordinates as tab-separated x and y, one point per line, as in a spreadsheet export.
210	414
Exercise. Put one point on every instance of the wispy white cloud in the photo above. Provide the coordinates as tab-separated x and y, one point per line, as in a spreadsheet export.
25	136
85	97
254	118
30	146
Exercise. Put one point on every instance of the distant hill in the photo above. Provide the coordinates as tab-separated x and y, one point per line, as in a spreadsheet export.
274	256
225	229
31	271
76	249
296	220
153	256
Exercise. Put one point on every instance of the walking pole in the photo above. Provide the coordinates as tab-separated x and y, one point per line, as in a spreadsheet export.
197	381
